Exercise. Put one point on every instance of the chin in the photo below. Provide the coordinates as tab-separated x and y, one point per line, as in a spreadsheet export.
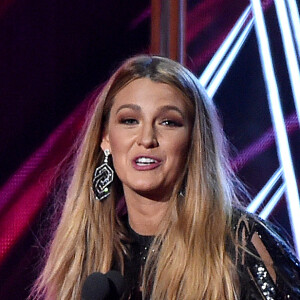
144	189
147	185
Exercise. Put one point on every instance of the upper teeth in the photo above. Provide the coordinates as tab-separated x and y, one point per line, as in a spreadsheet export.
145	160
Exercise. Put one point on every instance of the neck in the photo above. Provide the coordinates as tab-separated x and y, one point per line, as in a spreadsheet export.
144	214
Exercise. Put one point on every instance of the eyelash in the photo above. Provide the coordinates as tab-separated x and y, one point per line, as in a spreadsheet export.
129	121
171	123
168	123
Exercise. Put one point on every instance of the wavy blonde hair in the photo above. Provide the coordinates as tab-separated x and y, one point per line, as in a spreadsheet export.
190	260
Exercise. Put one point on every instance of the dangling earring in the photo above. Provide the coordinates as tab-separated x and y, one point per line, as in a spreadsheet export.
183	187
103	177
182	192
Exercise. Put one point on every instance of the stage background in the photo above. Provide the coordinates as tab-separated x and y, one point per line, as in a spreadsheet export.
54	53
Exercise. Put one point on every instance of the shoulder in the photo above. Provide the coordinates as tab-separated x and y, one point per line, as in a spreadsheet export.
263	255
247	225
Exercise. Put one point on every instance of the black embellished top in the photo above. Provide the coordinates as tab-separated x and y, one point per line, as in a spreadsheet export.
257	281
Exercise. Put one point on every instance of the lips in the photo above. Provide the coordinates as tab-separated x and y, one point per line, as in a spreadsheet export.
144	163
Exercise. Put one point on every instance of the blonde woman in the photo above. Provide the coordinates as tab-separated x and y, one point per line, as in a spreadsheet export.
153	197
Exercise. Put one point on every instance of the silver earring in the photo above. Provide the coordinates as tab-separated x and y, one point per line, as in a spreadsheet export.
103	177
183	187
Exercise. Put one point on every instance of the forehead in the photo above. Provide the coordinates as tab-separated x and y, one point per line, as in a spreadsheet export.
145	92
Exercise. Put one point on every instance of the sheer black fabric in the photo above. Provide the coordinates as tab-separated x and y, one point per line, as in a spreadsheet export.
134	264
267	268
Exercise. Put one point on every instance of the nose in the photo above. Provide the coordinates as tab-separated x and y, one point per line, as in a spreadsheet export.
147	136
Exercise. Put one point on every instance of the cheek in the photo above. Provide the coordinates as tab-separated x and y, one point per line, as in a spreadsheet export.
179	151
116	141
119	149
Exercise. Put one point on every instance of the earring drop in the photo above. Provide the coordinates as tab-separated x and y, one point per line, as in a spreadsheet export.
103	177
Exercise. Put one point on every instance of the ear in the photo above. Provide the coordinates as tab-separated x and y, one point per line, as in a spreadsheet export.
105	144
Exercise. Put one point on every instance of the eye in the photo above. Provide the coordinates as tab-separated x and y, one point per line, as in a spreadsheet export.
129	121
171	123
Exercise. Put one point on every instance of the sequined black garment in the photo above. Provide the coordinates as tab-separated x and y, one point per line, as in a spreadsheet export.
255	277
134	264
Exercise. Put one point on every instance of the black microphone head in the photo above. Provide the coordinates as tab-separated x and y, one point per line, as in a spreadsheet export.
117	282
95	287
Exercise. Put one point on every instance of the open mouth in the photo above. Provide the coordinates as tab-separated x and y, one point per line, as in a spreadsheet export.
145	161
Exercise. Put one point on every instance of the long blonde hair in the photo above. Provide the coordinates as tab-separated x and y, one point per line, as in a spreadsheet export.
190	260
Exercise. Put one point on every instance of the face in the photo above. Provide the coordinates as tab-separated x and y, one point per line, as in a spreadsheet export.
148	136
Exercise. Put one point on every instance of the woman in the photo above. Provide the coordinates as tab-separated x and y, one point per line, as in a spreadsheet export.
160	208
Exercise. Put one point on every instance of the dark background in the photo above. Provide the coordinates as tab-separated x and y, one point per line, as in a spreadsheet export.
53	53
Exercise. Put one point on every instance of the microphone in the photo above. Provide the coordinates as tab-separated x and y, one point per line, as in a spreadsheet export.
98	286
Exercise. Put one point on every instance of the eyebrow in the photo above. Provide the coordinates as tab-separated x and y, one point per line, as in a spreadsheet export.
172	107
131	106
163	109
